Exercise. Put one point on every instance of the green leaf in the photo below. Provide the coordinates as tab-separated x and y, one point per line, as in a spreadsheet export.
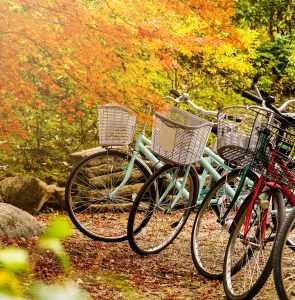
9	286
57	248
51	244
69	292
14	259
59	228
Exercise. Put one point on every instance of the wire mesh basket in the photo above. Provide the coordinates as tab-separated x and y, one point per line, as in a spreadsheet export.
238	131
116	125
275	155
179	137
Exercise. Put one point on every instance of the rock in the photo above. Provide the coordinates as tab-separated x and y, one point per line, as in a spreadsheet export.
15	222
77	156
26	193
58	199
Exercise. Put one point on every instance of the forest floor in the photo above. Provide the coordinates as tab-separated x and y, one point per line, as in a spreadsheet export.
113	271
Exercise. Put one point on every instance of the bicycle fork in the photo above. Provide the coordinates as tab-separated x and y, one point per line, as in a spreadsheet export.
264	204
179	186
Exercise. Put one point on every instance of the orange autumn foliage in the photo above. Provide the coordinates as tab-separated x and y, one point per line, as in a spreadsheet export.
58	53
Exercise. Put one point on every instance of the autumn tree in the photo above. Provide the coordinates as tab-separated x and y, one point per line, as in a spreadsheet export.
273	22
274	17
60	58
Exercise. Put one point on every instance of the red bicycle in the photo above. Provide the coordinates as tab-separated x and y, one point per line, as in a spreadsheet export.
248	257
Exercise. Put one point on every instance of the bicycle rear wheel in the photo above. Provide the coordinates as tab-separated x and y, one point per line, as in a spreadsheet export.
248	258
284	259
89	204
209	237
155	219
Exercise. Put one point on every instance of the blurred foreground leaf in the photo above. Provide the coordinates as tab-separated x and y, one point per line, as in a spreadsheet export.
9	286
14	259
56	231
66	292
58	228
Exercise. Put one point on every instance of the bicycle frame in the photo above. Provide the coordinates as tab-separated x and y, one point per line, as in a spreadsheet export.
141	148
284	189
208	169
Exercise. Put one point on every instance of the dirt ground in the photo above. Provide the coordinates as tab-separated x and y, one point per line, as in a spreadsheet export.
113	271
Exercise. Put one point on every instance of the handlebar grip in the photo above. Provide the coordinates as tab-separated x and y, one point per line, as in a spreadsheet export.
175	93
252	97
257	76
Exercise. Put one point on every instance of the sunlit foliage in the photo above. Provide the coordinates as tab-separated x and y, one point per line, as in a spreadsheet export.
60	58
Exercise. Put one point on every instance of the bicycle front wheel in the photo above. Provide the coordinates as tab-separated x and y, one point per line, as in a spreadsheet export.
161	209
210	235
92	208
284	259
248	257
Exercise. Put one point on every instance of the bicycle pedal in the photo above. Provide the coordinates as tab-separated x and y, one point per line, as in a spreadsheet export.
254	246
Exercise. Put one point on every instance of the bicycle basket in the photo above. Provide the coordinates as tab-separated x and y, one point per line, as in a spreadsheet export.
275	155
179	136
116	125
237	132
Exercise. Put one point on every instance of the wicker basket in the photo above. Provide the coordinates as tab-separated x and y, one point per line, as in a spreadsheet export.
274	155
116	125
179	137
238	131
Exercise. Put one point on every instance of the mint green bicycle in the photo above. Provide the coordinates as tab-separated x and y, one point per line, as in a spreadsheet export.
101	189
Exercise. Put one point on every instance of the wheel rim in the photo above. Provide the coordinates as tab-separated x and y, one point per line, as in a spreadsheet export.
247	263
161	226
210	237
287	266
94	212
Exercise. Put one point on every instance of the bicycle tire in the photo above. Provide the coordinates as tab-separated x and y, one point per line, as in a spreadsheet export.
151	226
284	260
87	191
209	237
237	283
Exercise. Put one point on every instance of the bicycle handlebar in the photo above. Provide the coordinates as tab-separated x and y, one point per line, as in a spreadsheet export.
280	116
267	101
252	97
202	110
284	105
185	97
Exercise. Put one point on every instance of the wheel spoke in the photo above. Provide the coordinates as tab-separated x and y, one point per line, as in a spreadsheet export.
91	207
209	235
154	222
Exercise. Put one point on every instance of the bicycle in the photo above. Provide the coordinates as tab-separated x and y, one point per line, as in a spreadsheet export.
248	256
159	228
284	259
236	143
102	187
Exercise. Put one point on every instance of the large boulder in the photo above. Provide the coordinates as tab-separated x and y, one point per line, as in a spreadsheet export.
77	156
15	222
58	199
26	193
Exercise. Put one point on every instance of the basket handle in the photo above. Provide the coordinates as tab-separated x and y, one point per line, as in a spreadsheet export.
173	124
